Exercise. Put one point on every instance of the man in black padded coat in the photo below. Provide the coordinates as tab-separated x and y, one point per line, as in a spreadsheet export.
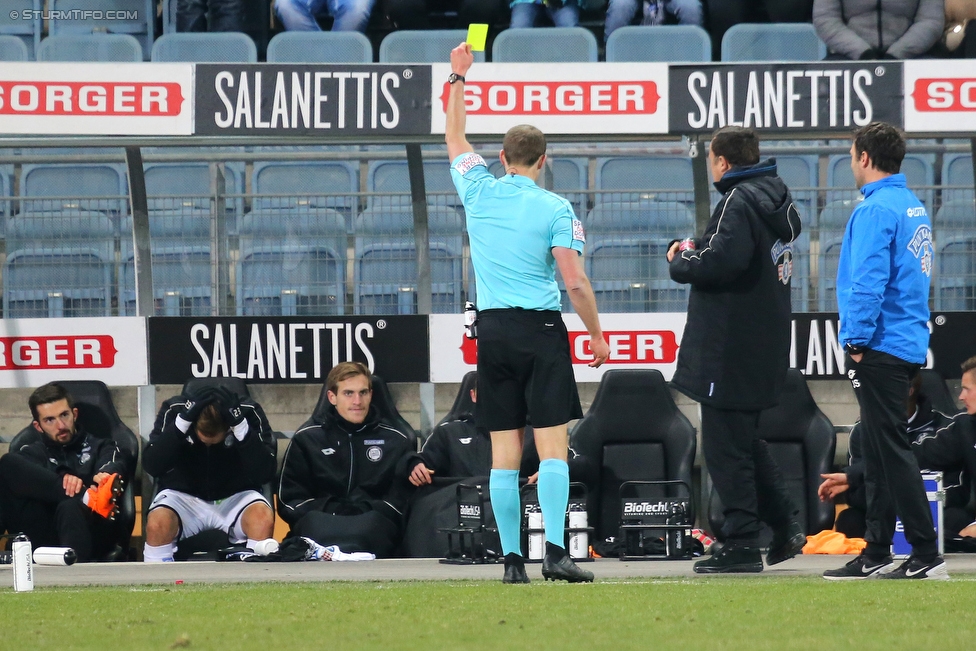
735	349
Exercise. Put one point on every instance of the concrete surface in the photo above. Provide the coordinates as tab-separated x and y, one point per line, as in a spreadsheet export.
961	567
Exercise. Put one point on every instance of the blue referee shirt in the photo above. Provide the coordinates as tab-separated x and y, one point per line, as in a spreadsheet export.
512	226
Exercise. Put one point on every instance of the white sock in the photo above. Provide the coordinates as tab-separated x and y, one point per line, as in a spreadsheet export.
262	547
159	553
84	498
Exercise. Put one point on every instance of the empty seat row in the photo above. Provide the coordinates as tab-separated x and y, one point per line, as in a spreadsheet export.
132	41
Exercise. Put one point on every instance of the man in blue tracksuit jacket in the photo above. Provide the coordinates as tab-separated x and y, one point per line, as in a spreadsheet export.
882	294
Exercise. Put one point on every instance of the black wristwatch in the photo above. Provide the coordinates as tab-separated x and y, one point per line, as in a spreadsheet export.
451	78
853	350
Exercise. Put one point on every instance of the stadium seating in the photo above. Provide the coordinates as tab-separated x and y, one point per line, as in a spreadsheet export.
382	401
556	44
386	260
667	43
13	48
393	176
632	178
955	259
917	169
320	47
422	46
180	246
801	441
625	255
50	186
632	431
90	47
205	47
569	179
59	264
833	221
772	42
26	31
799	172
98	416
316	184
957	177
139	20
292	262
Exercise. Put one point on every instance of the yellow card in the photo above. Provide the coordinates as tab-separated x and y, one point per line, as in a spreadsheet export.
477	35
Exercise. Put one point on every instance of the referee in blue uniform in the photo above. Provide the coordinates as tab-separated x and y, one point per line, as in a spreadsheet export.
519	233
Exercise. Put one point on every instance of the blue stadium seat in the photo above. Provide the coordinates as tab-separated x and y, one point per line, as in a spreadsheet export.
320	47
667	43
26	31
541	45
625	254
58	264
955	260
169	16
631	178
90	47
799	172
800	281
772	42
917	169
569	179
386	261
292	262
833	220
205	47
13	48
47	187
423	46
315	184
957	177
388	176
181	263
132	17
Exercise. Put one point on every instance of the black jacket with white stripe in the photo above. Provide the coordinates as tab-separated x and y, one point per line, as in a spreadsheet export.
735	349
84	456
181	462
336	467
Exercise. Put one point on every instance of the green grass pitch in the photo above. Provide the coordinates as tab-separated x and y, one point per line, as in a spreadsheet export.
708	613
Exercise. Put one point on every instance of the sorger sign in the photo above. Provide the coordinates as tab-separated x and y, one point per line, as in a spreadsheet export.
36	351
558	98
940	96
97	99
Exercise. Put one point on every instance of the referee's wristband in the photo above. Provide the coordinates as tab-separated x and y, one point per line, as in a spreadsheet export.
853	350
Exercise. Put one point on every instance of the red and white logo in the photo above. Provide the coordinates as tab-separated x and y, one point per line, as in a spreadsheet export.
90	98
559	97
939	96
70	352
946	94
627	347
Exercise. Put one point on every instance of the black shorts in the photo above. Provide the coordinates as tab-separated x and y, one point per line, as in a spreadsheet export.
525	372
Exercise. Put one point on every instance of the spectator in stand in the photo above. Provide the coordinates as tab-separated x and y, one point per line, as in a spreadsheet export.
885	29
210	15
562	13
960	28
303	15
621	13
723	14
415	14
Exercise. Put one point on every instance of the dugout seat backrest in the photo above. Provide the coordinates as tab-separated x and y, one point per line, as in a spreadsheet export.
934	387
632	431
462	401
801	440
98	416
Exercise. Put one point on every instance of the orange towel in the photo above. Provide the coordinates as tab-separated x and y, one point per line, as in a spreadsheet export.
833	542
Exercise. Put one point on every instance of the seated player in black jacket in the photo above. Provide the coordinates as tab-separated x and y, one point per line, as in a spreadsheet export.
60	491
339	484
211	453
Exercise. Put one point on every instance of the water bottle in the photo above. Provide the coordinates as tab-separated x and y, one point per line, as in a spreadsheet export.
23	571
536	532
674	539
579	541
55	556
470	320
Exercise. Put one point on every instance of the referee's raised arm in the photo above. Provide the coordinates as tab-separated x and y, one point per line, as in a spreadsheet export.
457	143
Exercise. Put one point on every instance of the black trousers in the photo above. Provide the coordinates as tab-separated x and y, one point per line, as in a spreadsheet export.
366	532
224	15
33	502
892	482
745	476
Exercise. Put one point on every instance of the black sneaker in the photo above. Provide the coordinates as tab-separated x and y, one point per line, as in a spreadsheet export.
915	568
514	569
731	559
861	567
558	566
786	543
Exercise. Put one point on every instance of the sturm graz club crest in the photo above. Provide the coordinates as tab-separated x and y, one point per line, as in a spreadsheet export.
374	453
782	255
921	247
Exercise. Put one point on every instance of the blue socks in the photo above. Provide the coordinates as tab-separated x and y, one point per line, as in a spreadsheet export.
504	491
553	498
